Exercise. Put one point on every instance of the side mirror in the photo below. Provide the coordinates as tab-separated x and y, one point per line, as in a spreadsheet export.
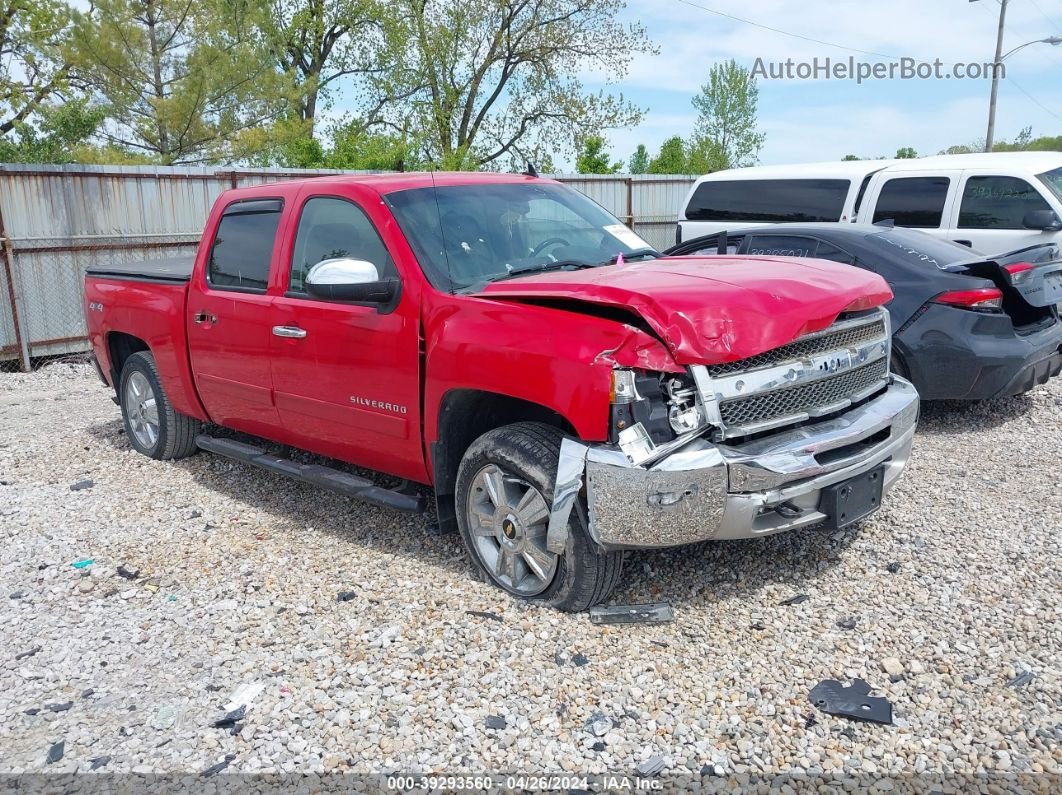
1045	220
352	280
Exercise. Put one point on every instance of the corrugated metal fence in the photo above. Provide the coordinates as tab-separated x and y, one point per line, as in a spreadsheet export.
55	221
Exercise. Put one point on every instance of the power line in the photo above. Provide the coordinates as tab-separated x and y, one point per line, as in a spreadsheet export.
789	33
1050	21
1033	99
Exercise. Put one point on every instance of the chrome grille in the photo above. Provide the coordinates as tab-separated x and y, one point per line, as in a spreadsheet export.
810	345
781	403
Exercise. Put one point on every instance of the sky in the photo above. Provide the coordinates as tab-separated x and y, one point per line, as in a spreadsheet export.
812	120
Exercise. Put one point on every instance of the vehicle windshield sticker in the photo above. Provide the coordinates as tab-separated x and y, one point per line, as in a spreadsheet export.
626	236
911	252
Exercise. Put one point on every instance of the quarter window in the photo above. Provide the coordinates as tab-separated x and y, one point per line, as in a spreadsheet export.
243	246
916	202
769	200
331	228
998	203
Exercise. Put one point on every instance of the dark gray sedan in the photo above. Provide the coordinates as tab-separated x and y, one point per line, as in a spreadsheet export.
964	326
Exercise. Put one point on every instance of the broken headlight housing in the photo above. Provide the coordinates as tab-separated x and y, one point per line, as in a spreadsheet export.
664	405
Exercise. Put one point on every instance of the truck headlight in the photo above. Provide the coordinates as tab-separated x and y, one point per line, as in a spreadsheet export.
664	404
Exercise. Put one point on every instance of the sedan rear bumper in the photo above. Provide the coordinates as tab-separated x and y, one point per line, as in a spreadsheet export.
707	491
955	354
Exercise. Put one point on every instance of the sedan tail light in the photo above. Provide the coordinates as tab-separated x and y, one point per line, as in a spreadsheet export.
1019	271
987	299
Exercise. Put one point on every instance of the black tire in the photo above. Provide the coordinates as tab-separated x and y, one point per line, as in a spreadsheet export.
176	432
528	451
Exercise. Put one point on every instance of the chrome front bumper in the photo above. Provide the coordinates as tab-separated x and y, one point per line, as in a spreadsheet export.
705	491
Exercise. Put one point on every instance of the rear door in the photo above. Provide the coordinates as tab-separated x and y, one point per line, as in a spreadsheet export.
229	318
916	201
347	376
991	210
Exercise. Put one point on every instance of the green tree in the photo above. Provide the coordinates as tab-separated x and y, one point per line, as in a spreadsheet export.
846	158
671	159
906	153
639	162
594	159
58	135
181	79
490	81
35	64
317	42
726	134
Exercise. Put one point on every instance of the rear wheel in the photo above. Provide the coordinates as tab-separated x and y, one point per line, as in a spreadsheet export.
504	491
151	424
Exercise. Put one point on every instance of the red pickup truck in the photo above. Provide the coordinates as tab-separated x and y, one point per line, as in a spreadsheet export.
566	392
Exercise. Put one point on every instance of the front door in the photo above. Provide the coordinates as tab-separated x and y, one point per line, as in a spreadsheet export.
346	377
229	319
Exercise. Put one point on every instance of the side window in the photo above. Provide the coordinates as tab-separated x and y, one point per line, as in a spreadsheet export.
913	201
769	200
331	228
243	246
998	203
833	253
779	246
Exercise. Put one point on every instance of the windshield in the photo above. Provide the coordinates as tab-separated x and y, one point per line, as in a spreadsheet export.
920	248
1053	180
465	236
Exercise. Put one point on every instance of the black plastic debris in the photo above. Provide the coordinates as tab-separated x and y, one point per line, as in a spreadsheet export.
660	644
598	746
127	573
28	653
16	595
579	659
213	688
485	614
757	625
495	722
32	711
1021	679
346	596
55	753
81	485
848	622
230	719
98	762
893	567
650	767
810	720
59	707
654	613
852	701
213	770
795	600
195	514
87	692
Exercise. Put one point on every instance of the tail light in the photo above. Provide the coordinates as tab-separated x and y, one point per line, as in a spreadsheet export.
1019	271
987	299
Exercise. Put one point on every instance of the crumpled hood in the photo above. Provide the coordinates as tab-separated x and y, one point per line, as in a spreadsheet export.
711	310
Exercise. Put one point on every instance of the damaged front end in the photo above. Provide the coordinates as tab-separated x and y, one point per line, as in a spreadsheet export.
811	433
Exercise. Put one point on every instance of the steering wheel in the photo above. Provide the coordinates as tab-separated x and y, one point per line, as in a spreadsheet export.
552	241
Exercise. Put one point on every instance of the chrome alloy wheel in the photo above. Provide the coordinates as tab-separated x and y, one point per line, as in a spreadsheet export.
142	410
508	519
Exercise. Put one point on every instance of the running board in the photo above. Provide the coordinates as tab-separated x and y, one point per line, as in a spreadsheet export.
316	475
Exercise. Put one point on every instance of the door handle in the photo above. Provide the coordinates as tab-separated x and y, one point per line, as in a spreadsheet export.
293	332
204	317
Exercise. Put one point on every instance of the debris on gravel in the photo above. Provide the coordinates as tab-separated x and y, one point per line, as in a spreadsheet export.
406	682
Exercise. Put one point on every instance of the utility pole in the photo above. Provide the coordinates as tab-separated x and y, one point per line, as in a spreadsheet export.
997	64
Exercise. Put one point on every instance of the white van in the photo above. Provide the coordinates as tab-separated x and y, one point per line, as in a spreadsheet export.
993	202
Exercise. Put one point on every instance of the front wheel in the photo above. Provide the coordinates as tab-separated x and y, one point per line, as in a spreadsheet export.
151	424
504	490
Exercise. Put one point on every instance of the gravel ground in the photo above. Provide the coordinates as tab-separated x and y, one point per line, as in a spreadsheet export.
937	601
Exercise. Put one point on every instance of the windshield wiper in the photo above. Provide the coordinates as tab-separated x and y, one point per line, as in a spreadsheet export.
638	253
542	268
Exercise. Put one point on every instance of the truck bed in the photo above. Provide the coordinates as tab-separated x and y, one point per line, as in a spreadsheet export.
168	269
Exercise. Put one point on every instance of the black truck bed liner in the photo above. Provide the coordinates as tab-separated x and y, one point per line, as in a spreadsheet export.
168	269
